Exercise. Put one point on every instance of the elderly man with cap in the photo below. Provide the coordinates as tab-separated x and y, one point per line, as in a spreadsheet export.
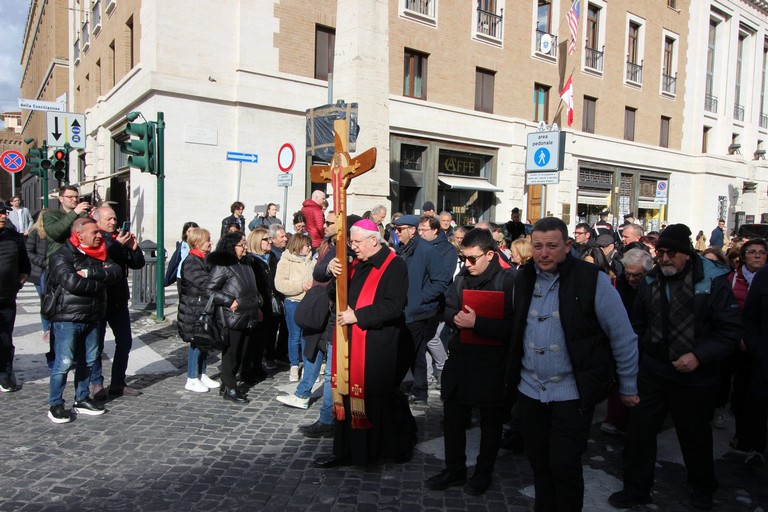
428	279
687	322
428	209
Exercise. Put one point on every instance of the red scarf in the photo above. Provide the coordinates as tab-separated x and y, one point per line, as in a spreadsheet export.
197	252
100	252
357	364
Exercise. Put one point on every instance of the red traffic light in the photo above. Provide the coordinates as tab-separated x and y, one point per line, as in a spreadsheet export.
60	154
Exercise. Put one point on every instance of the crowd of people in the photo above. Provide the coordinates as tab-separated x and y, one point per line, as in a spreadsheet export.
533	326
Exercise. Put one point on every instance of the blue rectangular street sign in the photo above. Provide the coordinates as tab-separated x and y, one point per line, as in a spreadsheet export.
242	157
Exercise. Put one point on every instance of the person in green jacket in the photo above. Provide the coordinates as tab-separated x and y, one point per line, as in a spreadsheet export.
58	223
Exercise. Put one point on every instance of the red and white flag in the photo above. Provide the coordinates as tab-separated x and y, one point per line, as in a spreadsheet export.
573	24
567	97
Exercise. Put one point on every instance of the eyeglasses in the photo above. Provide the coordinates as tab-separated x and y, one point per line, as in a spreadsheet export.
424	230
756	252
358	242
472	259
329	223
70	197
634	275
579	232
671	253
243	245
401	228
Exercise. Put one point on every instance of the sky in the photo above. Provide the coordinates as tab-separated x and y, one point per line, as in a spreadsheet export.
14	16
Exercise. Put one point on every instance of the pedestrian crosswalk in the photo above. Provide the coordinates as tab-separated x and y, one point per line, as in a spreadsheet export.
30	363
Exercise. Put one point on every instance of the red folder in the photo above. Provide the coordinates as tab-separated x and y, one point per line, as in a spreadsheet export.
488	304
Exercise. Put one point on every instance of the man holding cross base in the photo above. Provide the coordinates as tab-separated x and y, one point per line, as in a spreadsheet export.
373	418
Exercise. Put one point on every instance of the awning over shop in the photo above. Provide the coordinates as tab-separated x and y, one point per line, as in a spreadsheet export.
478	184
593	200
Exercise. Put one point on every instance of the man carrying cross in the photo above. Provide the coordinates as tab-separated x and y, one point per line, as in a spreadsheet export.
374	421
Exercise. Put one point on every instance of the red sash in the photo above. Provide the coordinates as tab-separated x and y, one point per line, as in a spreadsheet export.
357	364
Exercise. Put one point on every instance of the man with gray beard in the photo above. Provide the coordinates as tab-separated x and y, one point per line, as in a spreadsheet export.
687	322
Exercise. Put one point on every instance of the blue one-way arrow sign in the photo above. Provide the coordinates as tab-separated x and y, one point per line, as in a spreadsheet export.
242	157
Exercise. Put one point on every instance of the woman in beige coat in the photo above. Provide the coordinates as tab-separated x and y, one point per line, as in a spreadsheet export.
293	278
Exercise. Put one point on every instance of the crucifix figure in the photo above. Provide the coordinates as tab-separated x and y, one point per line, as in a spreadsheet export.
339	173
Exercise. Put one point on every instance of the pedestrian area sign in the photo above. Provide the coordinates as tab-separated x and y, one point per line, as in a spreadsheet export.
544	151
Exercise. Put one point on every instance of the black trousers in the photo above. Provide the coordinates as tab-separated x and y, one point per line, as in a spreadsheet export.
7	350
422	331
456	417
556	435
232	357
692	409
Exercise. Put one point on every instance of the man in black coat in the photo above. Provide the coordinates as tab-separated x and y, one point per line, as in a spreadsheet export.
687	322
753	435
374	421
123	249
14	269
80	273
473	375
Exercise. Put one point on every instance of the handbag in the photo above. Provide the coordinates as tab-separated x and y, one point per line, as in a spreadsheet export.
210	331
278	308
48	302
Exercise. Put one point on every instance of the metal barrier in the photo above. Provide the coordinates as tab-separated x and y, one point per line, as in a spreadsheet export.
144	280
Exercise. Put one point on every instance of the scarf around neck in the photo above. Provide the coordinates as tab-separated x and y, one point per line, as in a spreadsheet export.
100	252
674	311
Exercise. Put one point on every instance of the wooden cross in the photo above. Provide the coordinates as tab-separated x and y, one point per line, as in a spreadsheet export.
339	173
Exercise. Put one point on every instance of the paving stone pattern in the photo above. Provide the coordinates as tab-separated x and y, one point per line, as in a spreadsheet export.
171	449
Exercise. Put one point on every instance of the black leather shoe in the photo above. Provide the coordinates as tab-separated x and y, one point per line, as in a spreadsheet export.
513	441
330	461
446	479
317	429
628	499
235	395
478	484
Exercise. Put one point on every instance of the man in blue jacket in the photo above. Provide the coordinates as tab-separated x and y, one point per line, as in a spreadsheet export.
687	322
427	281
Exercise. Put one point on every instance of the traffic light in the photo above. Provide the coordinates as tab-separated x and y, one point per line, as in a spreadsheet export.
60	165
38	162
141	150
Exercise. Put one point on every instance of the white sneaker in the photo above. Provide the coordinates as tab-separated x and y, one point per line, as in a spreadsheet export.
196	386
209	382
294	375
294	401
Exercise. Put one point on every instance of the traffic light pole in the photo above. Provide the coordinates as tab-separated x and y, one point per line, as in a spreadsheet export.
160	166
45	176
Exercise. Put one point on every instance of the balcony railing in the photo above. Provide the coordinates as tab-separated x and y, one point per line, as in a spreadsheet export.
489	23
669	84
635	72
763	121
738	112
593	58
425	7
710	103
553	50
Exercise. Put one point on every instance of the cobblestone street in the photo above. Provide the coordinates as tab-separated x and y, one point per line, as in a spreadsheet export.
171	449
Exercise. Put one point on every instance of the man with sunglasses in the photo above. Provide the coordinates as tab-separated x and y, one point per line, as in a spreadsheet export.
428	279
473	375
687	322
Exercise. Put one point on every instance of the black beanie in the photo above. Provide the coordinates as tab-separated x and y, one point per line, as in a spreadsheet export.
676	237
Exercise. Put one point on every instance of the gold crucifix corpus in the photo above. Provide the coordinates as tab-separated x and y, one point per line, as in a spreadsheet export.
339	173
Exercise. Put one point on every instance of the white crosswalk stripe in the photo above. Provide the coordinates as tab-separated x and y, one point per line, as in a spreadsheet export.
30	364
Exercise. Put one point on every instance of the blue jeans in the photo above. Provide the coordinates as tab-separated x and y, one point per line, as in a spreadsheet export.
197	362
295	336
119	320
311	371
75	344
326	410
